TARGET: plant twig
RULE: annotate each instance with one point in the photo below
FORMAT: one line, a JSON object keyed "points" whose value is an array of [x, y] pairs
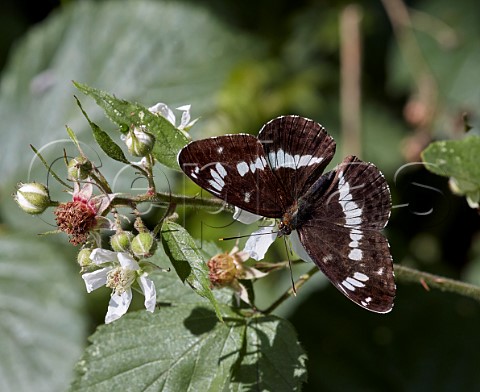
{"points": [[168, 198], [430, 281], [291, 292], [402, 274]]}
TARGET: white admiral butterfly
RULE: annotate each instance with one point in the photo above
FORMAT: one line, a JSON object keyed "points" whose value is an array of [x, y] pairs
{"points": [[338, 216]]}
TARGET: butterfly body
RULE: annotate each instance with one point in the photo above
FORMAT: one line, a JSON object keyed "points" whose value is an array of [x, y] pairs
{"points": [[336, 216]]}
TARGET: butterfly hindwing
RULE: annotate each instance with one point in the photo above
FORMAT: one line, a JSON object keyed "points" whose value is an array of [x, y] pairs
{"points": [[357, 262], [356, 195], [298, 150], [234, 168]]}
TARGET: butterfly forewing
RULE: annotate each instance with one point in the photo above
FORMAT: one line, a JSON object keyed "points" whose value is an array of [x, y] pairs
{"points": [[234, 168], [298, 150]]}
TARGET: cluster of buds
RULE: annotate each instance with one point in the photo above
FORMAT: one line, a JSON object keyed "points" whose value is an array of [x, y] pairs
{"points": [[141, 246]]}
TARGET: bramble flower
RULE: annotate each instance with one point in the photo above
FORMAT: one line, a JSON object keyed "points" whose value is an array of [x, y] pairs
{"points": [[81, 216], [164, 111], [120, 270], [226, 269], [33, 198], [261, 239]]}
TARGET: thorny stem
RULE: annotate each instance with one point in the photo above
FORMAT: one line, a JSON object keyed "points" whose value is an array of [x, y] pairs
{"points": [[407, 274], [290, 292], [168, 198], [402, 274]]}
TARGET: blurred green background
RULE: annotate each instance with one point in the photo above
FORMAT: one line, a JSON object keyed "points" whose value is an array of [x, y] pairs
{"points": [[240, 64]]}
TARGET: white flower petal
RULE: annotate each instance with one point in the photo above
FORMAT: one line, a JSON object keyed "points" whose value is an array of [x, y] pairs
{"points": [[259, 242], [100, 256], [164, 111], [118, 306], [94, 280], [83, 193], [298, 247], [184, 108], [252, 273], [148, 288], [185, 116], [127, 261], [242, 292], [245, 216]]}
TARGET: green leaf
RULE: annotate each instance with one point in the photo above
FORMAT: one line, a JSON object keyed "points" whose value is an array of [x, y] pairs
{"points": [[105, 142], [178, 348], [188, 261], [41, 329], [457, 159], [273, 359], [185, 348], [175, 52], [168, 139]]}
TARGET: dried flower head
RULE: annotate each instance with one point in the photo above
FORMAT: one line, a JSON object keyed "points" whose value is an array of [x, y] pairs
{"points": [[227, 268], [79, 217]]}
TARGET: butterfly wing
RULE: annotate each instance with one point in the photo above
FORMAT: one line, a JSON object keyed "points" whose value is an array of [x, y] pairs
{"points": [[234, 168], [363, 272], [342, 233], [298, 150]]}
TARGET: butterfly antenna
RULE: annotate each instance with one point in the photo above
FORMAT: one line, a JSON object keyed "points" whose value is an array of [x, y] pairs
{"points": [[243, 236], [290, 265]]}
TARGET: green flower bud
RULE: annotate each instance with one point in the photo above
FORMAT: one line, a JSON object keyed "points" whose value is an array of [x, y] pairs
{"points": [[139, 142], [83, 257], [120, 242], [79, 168], [33, 198], [144, 245]]}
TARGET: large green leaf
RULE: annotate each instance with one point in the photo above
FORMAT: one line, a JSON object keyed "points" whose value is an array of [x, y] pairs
{"points": [[273, 359], [188, 260], [102, 138], [457, 159], [41, 328], [184, 347], [178, 348], [144, 51]]}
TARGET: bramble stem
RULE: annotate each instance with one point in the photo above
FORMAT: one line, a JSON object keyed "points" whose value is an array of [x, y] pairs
{"points": [[290, 292], [407, 274], [167, 198], [402, 274]]}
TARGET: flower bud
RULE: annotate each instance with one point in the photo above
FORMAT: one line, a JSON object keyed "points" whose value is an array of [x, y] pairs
{"points": [[33, 198], [120, 242], [83, 257], [144, 245], [139, 142], [79, 168]]}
